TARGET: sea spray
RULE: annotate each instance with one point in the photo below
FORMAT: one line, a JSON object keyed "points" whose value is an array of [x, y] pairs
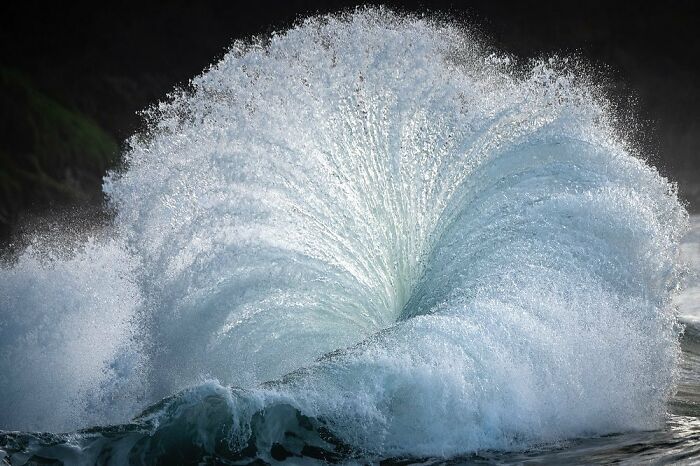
{"points": [[391, 242], [66, 334]]}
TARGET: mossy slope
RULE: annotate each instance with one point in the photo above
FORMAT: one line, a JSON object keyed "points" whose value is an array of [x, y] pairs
{"points": [[47, 150]]}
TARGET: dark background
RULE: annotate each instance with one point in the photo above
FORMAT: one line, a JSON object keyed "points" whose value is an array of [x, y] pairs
{"points": [[73, 77]]}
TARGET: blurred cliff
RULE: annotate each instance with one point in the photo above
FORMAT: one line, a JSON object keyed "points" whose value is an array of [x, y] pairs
{"points": [[73, 77]]}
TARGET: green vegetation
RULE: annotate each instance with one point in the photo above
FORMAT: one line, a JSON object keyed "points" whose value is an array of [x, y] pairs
{"points": [[48, 151]]}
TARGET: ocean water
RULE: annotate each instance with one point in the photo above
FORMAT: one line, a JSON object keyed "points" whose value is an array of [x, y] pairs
{"points": [[365, 239]]}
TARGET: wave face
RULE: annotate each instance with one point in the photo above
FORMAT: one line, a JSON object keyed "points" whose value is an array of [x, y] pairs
{"points": [[388, 239]]}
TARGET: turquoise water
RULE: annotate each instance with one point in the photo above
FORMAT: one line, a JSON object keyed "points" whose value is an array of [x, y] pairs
{"points": [[368, 238]]}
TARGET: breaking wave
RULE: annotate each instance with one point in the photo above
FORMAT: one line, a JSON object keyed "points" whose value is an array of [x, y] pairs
{"points": [[367, 235]]}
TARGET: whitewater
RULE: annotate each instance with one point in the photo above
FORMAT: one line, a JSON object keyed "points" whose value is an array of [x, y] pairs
{"points": [[369, 236]]}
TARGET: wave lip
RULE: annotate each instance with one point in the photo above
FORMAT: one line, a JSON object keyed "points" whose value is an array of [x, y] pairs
{"points": [[426, 250]]}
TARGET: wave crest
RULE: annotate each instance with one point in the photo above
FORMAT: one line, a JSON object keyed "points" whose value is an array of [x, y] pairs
{"points": [[430, 251]]}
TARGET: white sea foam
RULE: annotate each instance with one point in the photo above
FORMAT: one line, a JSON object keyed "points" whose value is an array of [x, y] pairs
{"points": [[475, 238], [66, 335], [688, 301]]}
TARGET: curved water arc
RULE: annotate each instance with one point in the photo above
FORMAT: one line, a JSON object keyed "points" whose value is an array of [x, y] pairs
{"points": [[492, 260]]}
